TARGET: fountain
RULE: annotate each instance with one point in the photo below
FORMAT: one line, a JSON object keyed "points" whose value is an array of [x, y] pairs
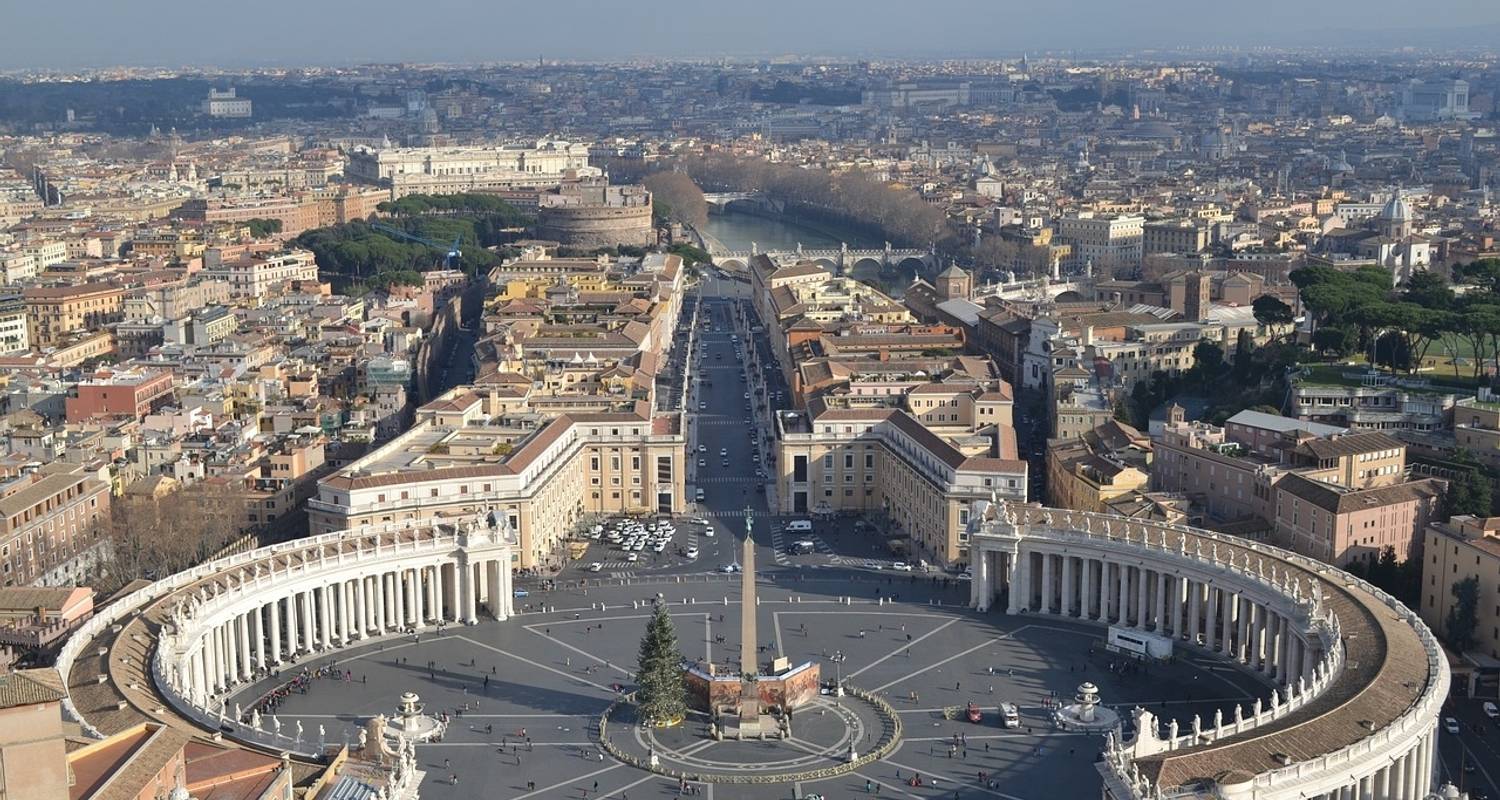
{"points": [[1085, 713], [410, 723]]}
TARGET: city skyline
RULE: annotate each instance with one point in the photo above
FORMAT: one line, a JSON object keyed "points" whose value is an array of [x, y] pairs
{"points": [[132, 36]]}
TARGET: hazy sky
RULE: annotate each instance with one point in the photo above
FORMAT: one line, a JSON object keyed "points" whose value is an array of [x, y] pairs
{"points": [[71, 33]]}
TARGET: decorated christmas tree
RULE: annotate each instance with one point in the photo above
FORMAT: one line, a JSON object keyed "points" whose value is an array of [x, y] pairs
{"points": [[662, 695]]}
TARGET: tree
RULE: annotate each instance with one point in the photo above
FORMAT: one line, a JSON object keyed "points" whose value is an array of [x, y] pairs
{"points": [[1208, 360], [1338, 340], [1271, 312], [1463, 617], [260, 228], [1469, 492], [677, 198], [661, 695]]}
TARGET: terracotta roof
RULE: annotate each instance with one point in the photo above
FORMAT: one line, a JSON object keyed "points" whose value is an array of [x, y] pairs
{"points": [[1348, 445], [28, 687], [1340, 500]]}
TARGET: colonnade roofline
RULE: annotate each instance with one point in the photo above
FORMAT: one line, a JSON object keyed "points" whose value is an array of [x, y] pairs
{"points": [[1364, 686], [160, 673]]}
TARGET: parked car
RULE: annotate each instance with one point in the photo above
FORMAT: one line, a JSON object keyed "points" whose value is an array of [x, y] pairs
{"points": [[595, 567], [1450, 725], [1490, 710]]}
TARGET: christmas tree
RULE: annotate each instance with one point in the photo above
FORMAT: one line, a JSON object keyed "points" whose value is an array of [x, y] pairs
{"points": [[661, 695]]}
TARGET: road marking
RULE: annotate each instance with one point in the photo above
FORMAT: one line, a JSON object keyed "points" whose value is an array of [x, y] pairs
{"points": [[956, 783], [899, 648], [953, 657], [544, 790], [601, 687]]}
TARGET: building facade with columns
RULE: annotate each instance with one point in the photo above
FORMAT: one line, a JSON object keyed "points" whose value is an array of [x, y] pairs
{"points": [[1354, 680], [232, 621]]}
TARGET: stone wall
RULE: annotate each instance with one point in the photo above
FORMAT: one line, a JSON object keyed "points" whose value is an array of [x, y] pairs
{"points": [[591, 227]]}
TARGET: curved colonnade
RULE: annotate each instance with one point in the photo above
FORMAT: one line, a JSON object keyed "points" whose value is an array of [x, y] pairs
{"points": [[235, 620], [1355, 679]]}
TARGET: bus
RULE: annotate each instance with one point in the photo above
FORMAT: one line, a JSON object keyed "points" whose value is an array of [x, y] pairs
{"points": [[1138, 644]]}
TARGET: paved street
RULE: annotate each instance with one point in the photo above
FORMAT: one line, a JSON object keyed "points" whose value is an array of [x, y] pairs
{"points": [[530, 690]]}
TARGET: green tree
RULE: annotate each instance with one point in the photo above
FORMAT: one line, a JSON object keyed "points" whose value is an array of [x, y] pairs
{"points": [[661, 695], [1463, 617], [1271, 312], [1470, 491], [260, 228], [1209, 360]]}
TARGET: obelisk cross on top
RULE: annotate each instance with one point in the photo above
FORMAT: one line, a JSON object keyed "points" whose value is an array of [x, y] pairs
{"points": [[748, 639]]}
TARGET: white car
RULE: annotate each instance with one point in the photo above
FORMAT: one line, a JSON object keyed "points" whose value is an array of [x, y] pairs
{"points": [[595, 567], [966, 576], [660, 546], [1490, 710], [901, 566], [729, 568], [692, 552], [702, 462], [747, 395], [709, 532], [698, 521], [633, 557], [723, 452], [703, 448], [1450, 725]]}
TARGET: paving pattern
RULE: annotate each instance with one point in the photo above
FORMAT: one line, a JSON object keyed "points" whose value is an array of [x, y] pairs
{"points": [[526, 693]]}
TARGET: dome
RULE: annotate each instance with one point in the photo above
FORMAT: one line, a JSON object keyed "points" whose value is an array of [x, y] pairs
{"points": [[179, 794], [1396, 210]]}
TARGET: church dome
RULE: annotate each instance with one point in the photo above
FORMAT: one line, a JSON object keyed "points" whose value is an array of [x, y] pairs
{"points": [[1396, 210]]}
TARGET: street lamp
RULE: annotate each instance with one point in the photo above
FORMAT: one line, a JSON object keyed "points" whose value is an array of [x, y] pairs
{"points": [[838, 670]]}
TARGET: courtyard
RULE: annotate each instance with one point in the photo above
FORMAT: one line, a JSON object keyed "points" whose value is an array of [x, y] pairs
{"points": [[525, 695]]}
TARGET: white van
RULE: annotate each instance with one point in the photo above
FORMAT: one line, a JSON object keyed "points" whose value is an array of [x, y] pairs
{"points": [[799, 526], [698, 495], [1010, 717]]}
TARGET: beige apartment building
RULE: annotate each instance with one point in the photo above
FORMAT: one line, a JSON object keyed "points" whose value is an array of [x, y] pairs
{"points": [[50, 523], [1463, 547], [884, 461], [53, 313], [1339, 525], [1107, 243], [467, 454]]}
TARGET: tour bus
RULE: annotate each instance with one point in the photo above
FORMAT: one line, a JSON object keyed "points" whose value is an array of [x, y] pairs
{"points": [[1139, 644]]}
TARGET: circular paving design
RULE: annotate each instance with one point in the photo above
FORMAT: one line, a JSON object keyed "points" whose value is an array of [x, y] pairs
{"points": [[823, 731]]}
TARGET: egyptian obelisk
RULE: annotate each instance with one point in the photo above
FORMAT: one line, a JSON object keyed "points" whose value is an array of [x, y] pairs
{"points": [[748, 640]]}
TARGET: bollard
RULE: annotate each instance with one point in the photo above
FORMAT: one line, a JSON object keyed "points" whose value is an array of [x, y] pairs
{"points": [[726, 601]]}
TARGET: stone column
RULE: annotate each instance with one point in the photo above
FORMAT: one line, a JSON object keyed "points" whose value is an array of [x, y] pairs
{"points": [[419, 599], [1161, 603], [1085, 588], [1142, 598], [1046, 605], [438, 603], [1400, 779], [273, 612], [1382, 787], [465, 586], [1066, 607], [245, 669], [1124, 609], [216, 661], [1179, 605], [1226, 630], [258, 633], [1210, 618], [494, 581], [291, 625], [1195, 606], [322, 596], [358, 609]]}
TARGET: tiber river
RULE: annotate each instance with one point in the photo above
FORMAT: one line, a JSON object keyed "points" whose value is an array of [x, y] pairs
{"points": [[736, 230]]}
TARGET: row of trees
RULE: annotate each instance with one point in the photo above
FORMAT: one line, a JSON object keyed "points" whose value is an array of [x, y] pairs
{"points": [[1360, 309], [361, 257], [854, 198], [675, 197], [153, 537]]}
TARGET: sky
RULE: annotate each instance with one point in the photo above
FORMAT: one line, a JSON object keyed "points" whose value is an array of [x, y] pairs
{"points": [[65, 34]]}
